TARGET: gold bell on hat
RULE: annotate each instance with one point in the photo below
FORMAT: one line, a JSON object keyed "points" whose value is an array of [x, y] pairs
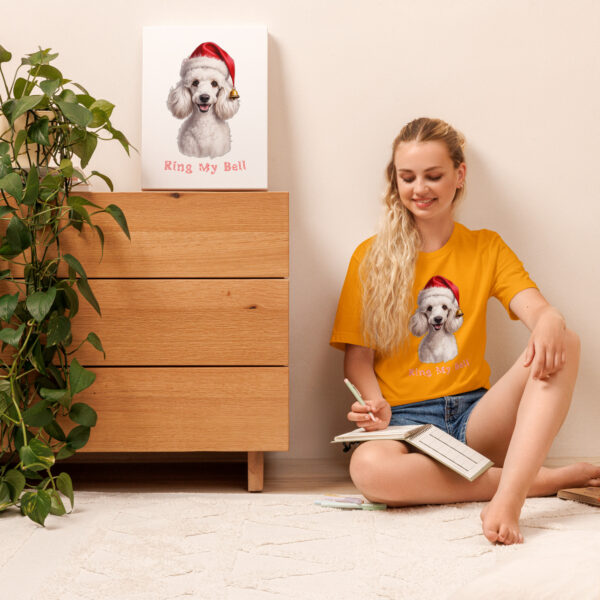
{"points": [[233, 95]]}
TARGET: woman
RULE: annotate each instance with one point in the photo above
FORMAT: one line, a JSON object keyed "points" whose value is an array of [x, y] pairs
{"points": [[411, 319]]}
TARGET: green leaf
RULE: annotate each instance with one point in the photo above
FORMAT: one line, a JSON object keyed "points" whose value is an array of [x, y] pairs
{"points": [[36, 505], [36, 455], [22, 105], [36, 357], [12, 336], [5, 210], [65, 452], [94, 340], [5, 499], [4, 147], [117, 214], [38, 132], [98, 118], [104, 105], [72, 299], [118, 135], [66, 167], [105, 179], [32, 188], [78, 437], [56, 504], [5, 55], [39, 415], [83, 414], [13, 185], [56, 431], [5, 402], [75, 265], [49, 86], [86, 291], [59, 328], [47, 72], [18, 235], [65, 485], [85, 99], [19, 139], [22, 87], [55, 395], [75, 113], [85, 148], [8, 304], [16, 483], [80, 378], [101, 238], [42, 57], [68, 96], [40, 303]]}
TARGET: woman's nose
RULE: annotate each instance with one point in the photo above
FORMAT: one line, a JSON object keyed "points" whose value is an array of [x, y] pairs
{"points": [[421, 187]]}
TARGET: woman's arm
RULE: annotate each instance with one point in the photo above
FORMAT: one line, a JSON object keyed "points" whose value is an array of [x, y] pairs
{"points": [[358, 368], [546, 350]]}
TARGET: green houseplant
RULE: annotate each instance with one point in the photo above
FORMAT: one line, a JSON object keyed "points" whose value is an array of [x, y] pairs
{"points": [[46, 123]]}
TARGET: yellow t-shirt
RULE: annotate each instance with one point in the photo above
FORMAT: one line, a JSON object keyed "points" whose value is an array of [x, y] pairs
{"points": [[444, 354]]}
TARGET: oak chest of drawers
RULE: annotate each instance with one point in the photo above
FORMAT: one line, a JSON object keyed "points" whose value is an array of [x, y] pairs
{"points": [[194, 324]]}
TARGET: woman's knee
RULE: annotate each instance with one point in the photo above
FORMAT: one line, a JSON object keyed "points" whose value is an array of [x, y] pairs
{"points": [[371, 459]]}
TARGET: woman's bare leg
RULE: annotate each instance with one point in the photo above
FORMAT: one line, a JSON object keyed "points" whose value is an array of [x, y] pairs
{"points": [[385, 471], [541, 408], [514, 424]]}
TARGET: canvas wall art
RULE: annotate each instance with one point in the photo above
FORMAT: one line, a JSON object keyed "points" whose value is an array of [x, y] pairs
{"points": [[204, 108]]}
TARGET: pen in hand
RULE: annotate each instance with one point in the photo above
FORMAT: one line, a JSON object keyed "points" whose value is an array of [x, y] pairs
{"points": [[357, 395]]}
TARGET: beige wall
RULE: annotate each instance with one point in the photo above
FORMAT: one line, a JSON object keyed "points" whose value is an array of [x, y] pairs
{"points": [[520, 78]]}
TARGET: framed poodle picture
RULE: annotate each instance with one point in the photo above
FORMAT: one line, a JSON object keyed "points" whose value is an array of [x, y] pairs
{"points": [[204, 108]]}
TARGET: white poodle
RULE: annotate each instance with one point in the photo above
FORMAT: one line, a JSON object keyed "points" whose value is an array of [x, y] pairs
{"points": [[207, 98], [438, 315]]}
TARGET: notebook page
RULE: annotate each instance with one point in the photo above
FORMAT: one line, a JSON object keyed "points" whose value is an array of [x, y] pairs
{"points": [[448, 450], [395, 432]]}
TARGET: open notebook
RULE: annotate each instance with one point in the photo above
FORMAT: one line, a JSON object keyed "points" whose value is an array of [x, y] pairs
{"points": [[430, 440]]}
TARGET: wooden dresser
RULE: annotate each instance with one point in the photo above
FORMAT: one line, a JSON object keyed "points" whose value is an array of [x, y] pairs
{"points": [[194, 324]]}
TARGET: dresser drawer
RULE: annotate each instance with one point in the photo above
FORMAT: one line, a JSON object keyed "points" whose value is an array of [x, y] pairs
{"points": [[159, 322], [188, 409]]}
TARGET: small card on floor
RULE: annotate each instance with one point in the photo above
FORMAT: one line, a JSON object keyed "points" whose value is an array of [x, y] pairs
{"points": [[349, 502], [589, 495]]}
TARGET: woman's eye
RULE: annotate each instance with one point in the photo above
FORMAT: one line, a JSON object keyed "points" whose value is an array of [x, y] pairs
{"points": [[195, 83], [407, 180], [436, 178], [214, 84]]}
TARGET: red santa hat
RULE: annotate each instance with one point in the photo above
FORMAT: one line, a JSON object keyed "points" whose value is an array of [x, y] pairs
{"points": [[209, 55], [439, 286]]}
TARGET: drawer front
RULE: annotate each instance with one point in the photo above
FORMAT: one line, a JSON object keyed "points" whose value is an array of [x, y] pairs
{"points": [[188, 409], [187, 322], [188, 235]]}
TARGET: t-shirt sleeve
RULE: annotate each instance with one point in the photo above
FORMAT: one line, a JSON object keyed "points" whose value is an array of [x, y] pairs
{"points": [[347, 324], [510, 276]]}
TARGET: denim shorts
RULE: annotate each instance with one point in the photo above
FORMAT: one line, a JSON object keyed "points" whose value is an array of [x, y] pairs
{"points": [[449, 413]]}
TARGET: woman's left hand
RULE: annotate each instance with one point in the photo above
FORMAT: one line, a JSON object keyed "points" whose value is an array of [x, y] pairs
{"points": [[546, 350]]}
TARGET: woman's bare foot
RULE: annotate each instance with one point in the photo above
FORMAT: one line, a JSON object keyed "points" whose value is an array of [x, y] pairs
{"points": [[500, 518]]}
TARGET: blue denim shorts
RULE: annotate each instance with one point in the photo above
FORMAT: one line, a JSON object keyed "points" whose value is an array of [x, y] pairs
{"points": [[449, 413]]}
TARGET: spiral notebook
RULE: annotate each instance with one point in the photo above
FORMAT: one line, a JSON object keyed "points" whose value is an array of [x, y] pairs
{"points": [[430, 440]]}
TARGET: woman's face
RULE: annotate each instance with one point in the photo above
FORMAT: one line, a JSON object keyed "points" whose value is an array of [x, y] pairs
{"points": [[427, 179]]}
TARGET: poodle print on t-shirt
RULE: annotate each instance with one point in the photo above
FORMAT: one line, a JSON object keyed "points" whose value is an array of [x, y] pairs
{"points": [[437, 317]]}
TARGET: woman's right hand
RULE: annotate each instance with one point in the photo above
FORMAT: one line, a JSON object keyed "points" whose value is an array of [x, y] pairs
{"points": [[381, 411]]}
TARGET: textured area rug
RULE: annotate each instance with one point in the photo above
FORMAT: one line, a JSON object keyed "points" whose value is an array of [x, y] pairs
{"points": [[155, 546]]}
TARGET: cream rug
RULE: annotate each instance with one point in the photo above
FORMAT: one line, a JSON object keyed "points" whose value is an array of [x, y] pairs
{"points": [[124, 546]]}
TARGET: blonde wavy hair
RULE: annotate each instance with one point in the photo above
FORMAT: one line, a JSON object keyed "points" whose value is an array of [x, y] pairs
{"points": [[387, 271]]}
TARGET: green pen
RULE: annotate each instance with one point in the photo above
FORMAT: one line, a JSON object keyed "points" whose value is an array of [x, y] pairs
{"points": [[357, 395]]}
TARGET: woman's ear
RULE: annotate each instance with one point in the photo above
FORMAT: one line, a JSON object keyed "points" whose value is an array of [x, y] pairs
{"points": [[180, 101], [226, 107], [418, 324]]}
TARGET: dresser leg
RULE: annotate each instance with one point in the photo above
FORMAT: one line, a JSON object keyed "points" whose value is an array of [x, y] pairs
{"points": [[255, 471]]}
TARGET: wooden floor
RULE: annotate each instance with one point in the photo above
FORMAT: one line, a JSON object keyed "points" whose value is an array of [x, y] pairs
{"points": [[127, 475]]}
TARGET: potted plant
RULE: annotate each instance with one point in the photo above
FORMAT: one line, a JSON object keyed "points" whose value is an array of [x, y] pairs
{"points": [[47, 122]]}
